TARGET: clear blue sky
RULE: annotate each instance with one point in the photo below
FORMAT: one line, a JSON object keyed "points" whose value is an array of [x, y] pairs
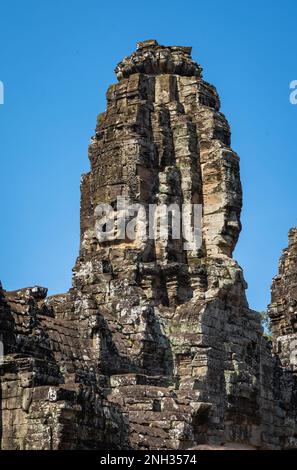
{"points": [[56, 61]]}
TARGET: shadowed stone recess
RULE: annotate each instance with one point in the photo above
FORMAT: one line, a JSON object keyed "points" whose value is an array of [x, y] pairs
{"points": [[153, 347]]}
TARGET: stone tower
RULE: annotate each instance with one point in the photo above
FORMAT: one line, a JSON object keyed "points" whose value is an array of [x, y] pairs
{"points": [[154, 346], [283, 307]]}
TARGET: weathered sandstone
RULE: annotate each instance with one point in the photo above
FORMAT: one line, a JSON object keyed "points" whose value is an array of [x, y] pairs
{"points": [[153, 347]]}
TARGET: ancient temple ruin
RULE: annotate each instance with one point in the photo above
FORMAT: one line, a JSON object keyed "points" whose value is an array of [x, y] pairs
{"points": [[153, 347]]}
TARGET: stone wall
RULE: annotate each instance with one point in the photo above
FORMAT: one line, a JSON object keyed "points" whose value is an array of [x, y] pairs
{"points": [[283, 307]]}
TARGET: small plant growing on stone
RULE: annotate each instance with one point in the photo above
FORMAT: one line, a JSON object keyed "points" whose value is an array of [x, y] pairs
{"points": [[265, 320]]}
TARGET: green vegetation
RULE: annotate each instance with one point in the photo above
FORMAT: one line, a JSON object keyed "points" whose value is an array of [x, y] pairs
{"points": [[265, 320]]}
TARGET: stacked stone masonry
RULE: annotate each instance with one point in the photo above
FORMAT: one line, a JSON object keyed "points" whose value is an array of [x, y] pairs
{"points": [[153, 347]]}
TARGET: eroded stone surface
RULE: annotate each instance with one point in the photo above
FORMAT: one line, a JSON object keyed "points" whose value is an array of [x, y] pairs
{"points": [[153, 346], [283, 307]]}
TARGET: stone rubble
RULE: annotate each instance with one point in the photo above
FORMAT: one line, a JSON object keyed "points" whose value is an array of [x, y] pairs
{"points": [[153, 347]]}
